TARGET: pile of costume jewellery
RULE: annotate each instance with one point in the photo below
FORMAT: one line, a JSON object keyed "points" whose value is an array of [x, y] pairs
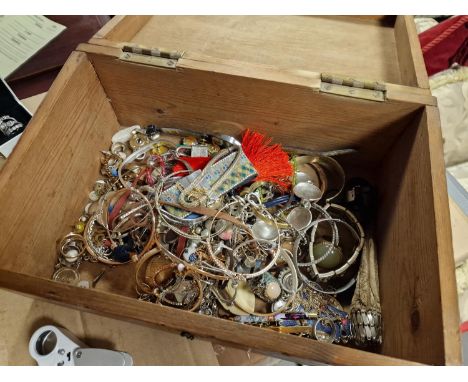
{"points": [[238, 230]]}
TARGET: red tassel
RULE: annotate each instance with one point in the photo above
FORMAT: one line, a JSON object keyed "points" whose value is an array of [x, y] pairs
{"points": [[270, 161]]}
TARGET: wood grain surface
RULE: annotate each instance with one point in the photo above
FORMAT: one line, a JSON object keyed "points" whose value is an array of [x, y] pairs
{"points": [[446, 261], [296, 115], [415, 252], [122, 28], [340, 46], [45, 175], [410, 58], [265, 341]]}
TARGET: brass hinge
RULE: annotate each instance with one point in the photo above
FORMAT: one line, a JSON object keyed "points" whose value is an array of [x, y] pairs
{"points": [[150, 56], [350, 87]]}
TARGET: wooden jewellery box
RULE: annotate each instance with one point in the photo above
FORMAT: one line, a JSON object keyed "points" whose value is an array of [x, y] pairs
{"points": [[318, 83]]}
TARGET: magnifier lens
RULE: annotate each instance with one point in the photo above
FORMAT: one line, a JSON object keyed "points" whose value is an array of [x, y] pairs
{"points": [[46, 342]]}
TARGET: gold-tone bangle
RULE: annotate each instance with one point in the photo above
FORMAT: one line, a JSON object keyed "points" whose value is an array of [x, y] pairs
{"points": [[145, 288]]}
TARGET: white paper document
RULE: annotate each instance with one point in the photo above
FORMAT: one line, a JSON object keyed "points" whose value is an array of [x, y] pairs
{"points": [[23, 36]]}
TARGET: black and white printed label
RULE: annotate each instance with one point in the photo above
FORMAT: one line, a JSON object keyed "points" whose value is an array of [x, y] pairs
{"points": [[13, 119]]}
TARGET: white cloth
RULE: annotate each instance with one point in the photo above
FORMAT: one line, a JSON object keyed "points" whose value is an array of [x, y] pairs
{"points": [[451, 89], [424, 23]]}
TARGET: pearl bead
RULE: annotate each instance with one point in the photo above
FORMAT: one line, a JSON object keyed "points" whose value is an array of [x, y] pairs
{"points": [[277, 305], [272, 290], [71, 255], [205, 233], [180, 267]]}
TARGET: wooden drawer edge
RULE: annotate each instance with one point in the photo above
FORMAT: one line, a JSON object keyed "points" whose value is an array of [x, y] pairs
{"points": [[448, 290], [410, 58], [261, 340]]}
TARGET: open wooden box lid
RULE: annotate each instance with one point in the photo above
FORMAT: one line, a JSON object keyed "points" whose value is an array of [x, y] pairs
{"points": [[378, 52]]}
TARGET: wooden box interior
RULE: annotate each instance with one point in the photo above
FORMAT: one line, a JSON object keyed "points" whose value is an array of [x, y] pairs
{"points": [[44, 187]]}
